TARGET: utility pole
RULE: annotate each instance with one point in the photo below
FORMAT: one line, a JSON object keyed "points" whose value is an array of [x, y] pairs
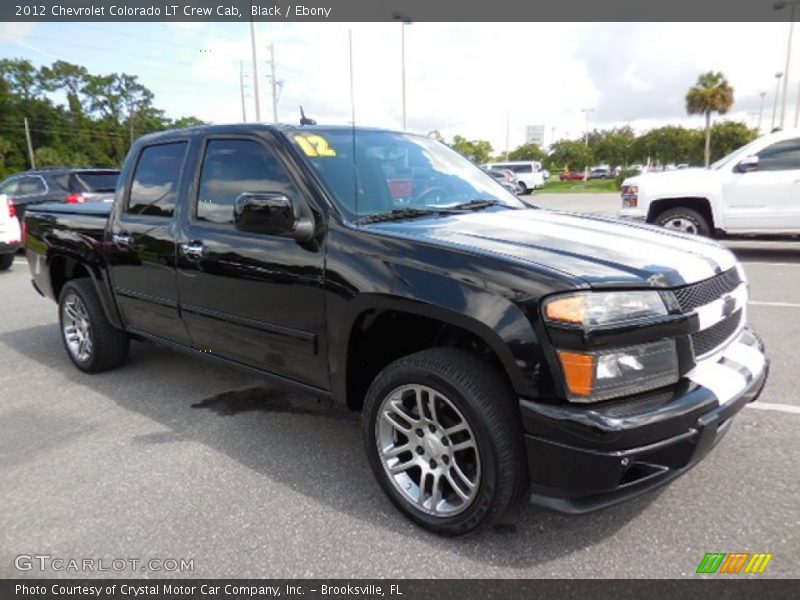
{"points": [[274, 82], [255, 70], [30, 145], [778, 76], [780, 6], [130, 120], [241, 90]]}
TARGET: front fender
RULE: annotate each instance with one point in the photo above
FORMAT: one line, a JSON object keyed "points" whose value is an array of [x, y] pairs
{"points": [[497, 321]]}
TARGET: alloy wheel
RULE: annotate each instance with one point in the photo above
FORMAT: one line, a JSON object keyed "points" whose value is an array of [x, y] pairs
{"points": [[77, 328], [428, 450]]}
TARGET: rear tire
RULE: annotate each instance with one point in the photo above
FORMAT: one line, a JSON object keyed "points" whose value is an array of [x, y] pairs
{"points": [[522, 189], [6, 260], [456, 467], [92, 343], [684, 219]]}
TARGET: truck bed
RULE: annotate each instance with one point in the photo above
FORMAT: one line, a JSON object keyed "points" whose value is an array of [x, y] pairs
{"points": [[72, 233]]}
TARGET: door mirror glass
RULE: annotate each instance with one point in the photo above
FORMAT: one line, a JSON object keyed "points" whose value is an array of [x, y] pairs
{"points": [[747, 164], [270, 213]]}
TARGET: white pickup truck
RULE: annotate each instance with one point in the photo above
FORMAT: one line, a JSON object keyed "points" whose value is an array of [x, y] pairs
{"points": [[754, 190]]}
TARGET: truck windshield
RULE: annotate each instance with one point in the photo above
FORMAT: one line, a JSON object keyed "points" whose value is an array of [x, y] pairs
{"points": [[378, 172]]}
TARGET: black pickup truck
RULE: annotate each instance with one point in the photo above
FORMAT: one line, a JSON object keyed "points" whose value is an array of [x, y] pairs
{"points": [[495, 350]]}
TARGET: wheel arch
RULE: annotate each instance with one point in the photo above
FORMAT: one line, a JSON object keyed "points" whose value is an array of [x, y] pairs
{"points": [[65, 267], [701, 204], [363, 349]]}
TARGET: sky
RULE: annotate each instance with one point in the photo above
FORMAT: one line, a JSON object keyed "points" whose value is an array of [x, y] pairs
{"points": [[471, 79]]}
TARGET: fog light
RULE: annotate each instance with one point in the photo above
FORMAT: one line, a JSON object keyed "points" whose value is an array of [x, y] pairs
{"points": [[595, 376]]}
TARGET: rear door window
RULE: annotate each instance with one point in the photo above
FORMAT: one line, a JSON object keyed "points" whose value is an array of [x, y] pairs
{"points": [[31, 185], [155, 181], [9, 186]]}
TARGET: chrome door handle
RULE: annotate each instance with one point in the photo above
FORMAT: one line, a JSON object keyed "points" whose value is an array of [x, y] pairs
{"points": [[193, 249], [122, 240]]}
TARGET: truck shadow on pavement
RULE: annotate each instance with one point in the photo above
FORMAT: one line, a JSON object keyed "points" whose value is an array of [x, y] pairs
{"points": [[295, 440]]}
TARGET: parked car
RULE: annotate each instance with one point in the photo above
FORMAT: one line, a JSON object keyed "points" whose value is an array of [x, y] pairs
{"points": [[10, 234], [752, 191], [600, 173], [527, 172], [59, 184], [505, 178], [571, 176], [494, 351]]}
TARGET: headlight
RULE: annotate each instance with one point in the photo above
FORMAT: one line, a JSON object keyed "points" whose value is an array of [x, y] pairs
{"points": [[595, 376], [604, 308]]}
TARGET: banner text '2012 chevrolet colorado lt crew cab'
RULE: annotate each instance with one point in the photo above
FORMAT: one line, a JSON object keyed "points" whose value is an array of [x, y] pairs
{"points": [[494, 350]]}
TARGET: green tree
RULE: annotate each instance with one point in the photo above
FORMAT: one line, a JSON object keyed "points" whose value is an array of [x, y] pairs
{"points": [[478, 151], [570, 155], [436, 134], [613, 146], [728, 136], [711, 93], [527, 152]]}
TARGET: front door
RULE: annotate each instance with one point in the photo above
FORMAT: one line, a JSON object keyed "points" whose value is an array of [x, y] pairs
{"points": [[256, 299], [767, 198]]}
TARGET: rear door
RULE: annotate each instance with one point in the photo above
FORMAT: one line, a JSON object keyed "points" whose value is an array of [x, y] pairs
{"points": [[768, 198], [256, 299], [141, 245]]}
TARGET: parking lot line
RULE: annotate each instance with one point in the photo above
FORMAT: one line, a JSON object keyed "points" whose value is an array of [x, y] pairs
{"points": [[785, 408], [783, 304]]}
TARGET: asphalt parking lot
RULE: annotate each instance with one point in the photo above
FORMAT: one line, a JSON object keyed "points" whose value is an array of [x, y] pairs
{"points": [[168, 457]]}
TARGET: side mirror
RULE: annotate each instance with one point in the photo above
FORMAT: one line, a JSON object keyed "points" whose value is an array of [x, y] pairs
{"points": [[747, 164], [270, 213]]}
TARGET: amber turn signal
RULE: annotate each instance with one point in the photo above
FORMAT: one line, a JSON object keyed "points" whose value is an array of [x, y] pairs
{"points": [[578, 371]]}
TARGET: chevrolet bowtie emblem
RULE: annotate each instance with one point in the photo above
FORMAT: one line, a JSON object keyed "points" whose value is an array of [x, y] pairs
{"points": [[728, 305]]}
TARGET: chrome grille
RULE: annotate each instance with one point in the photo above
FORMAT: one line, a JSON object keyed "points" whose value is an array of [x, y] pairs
{"points": [[697, 294], [709, 339]]}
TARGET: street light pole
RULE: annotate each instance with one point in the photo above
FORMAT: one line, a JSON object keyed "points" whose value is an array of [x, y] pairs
{"points": [[778, 76], [404, 20], [761, 109], [403, 67], [781, 6]]}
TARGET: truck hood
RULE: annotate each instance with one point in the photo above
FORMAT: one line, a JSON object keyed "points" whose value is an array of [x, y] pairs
{"points": [[691, 177], [603, 252]]}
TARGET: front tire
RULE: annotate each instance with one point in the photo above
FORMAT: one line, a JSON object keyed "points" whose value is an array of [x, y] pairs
{"points": [[444, 440], [685, 220], [91, 342], [6, 260]]}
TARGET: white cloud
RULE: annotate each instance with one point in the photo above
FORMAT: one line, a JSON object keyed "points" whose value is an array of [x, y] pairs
{"points": [[464, 78]]}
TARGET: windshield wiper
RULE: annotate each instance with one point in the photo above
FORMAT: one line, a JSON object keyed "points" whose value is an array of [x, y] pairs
{"points": [[397, 214], [476, 204]]}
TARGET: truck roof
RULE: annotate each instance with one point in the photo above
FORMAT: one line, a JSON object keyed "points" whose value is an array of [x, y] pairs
{"points": [[281, 127]]}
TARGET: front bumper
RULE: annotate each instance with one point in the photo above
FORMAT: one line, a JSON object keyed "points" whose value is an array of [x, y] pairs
{"points": [[585, 458], [9, 247], [632, 214]]}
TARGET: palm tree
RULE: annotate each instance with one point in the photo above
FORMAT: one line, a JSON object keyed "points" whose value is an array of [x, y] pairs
{"points": [[711, 93]]}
